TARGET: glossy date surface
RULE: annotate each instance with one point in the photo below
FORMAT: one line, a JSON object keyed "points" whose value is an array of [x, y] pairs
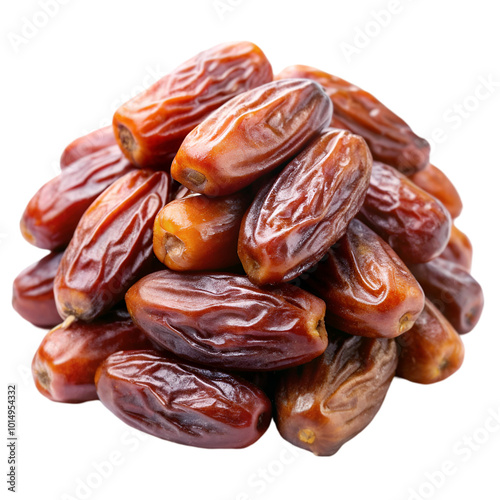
{"points": [[295, 219], [181, 402], [225, 321], [458, 249], [251, 135]]}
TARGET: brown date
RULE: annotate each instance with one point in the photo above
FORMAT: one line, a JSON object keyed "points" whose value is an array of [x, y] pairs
{"points": [[323, 404], [197, 233], [367, 289], [151, 126], [251, 135], [52, 215], [180, 402], [436, 183], [295, 219], [414, 223], [458, 249], [390, 139], [431, 351], [65, 364], [87, 145], [112, 245], [33, 292], [225, 321], [452, 290]]}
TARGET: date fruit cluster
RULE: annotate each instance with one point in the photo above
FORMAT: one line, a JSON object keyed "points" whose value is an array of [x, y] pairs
{"points": [[241, 246]]}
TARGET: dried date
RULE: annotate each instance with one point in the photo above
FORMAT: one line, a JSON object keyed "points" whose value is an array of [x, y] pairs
{"points": [[458, 249], [250, 136], [295, 219]]}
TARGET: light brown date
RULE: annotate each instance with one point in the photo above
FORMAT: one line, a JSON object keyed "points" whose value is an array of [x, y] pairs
{"points": [[251, 135], [452, 290], [112, 245], [436, 183], [367, 289], [323, 404], [458, 249], [151, 126], [390, 139], [196, 233], [295, 219], [225, 321], [187, 404], [414, 223], [33, 292], [52, 215], [431, 351], [65, 364]]}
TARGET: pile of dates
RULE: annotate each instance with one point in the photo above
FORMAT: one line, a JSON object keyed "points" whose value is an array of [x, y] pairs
{"points": [[240, 246]]}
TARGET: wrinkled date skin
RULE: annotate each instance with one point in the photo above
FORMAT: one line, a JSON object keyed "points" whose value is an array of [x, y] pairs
{"points": [[196, 233], [112, 245], [65, 364], [151, 126], [458, 249], [431, 351], [367, 289], [436, 183], [414, 223], [225, 321], [251, 135], [390, 139], [33, 292], [52, 215], [295, 219], [183, 403], [323, 404], [87, 145], [453, 291]]}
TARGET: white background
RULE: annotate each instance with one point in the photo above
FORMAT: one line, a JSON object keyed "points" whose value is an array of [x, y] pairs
{"points": [[426, 63]]}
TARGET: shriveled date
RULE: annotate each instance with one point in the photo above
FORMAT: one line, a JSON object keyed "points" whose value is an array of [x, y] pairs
{"points": [[151, 126], [251, 135], [52, 215], [323, 404], [224, 320], [391, 140], [306, 209], [33, 292], [431, 351], [414, 223], [453, 291], [367, 289], [112, 245], [65, 364], [458, 249], [183, 403]]}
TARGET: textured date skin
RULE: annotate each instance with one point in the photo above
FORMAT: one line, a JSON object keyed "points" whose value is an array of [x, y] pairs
{"points": [[436, 183], [453, 291], [97, 140], [225, 321], [181, 402], [431, 351], [458, 249], [151, 126], [367, 289], [414, 223], [390, 139], [65, 364], [52, 215], [295, 219], [112, 245], [196, 233], [33, 292], [323, 404], [250, 136]]}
